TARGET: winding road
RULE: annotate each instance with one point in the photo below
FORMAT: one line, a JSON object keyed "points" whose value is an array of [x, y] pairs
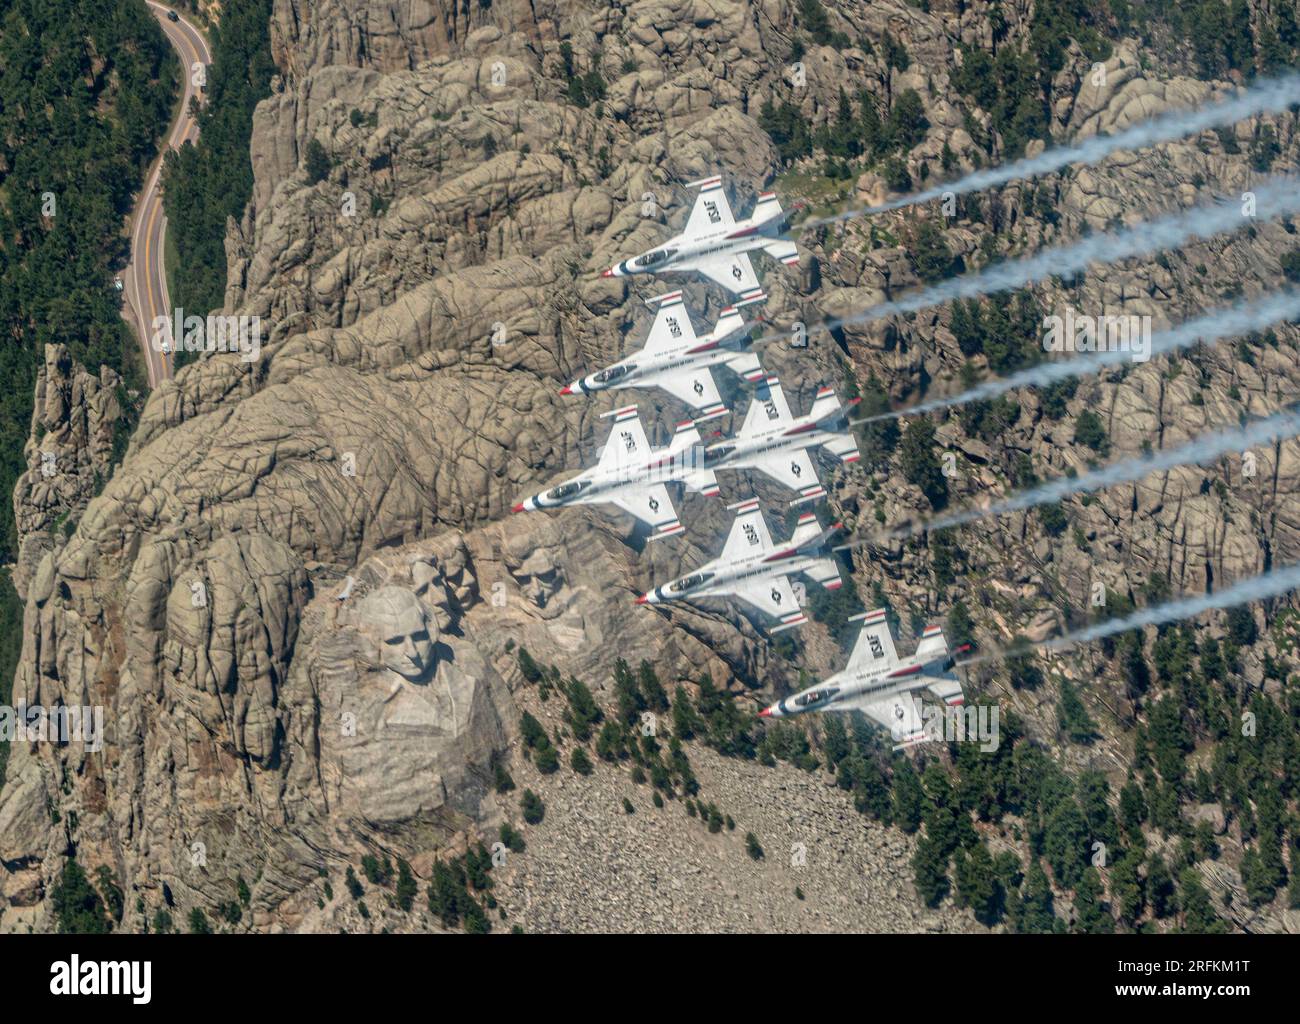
{"points": [[144, 282]]}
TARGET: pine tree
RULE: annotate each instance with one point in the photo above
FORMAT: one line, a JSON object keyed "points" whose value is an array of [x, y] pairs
{"points": [[1066, 843], [961, 627], [406, 887], [908, 797], [1199, 917], [919, 462], [685, 720], [317, 163], [583, 712], [656, 697], [533, 808], [977, 884], [1072, 716], [1037, 913], [1093, 916], [580, 762], [78, 908], [930, 870], [1160, 887]]}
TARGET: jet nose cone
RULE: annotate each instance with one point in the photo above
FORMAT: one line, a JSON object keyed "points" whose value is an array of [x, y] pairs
{"points": [[765, 713], [567, 389], [608, 273], [519, 507], [643, 599]]}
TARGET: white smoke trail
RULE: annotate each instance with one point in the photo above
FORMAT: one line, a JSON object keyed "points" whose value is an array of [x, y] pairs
{"points": [[1257, 588], [1277, 197], [1269, 97], [1205, 448], [1243, 318]]}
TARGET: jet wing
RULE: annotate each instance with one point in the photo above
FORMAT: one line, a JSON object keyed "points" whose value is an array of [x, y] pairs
{"points": [[627, 442], [652, 506], [711, 211], [898, 713], [775, 597], [731, 270], [767, 409], [794, 469], [875, 644], [694, 387], [749, 534], [672, 327]]}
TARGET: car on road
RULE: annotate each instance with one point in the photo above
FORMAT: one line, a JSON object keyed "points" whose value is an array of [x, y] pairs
{"points": [[173, 16]]}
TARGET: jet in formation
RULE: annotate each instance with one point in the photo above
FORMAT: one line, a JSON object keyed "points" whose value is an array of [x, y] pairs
{"points": [[716, 245], [757, 571], [629, 474], [776, 443], [632, 476], [678, 361], [880, 684]]}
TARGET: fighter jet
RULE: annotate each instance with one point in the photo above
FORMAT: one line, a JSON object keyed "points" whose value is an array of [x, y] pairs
{"points": [[776, 443], [881, 686], [757, 571], [629, 474], [715, 243], [677, 361]]}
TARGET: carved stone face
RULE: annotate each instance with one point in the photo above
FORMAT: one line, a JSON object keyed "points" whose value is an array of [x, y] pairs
{"points": [[402, 629], [535, 569]]}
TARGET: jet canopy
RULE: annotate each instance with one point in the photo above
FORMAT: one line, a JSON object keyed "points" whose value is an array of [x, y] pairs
{"points": [[714, 455], [653, 259], [815, 696], [565, 490], [613, 373], [688, 582]]}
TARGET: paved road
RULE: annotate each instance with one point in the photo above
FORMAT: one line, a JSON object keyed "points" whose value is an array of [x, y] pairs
{"points": [[144, 282]]}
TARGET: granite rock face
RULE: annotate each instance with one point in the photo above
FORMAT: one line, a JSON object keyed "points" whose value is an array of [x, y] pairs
{"points": [[75, 422]]}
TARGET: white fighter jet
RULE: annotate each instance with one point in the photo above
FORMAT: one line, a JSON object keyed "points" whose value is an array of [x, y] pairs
{"points": [[678, 361], [757, 571], [880, 685], [629, 474], [778, 444], [715, 244]]}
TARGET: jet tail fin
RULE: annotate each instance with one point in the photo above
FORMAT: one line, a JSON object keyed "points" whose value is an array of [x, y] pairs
{"points": [[731, 319], [808, 534], [686, 452], [933, 645], [768, 214], [685, 437], [826, 408]]}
